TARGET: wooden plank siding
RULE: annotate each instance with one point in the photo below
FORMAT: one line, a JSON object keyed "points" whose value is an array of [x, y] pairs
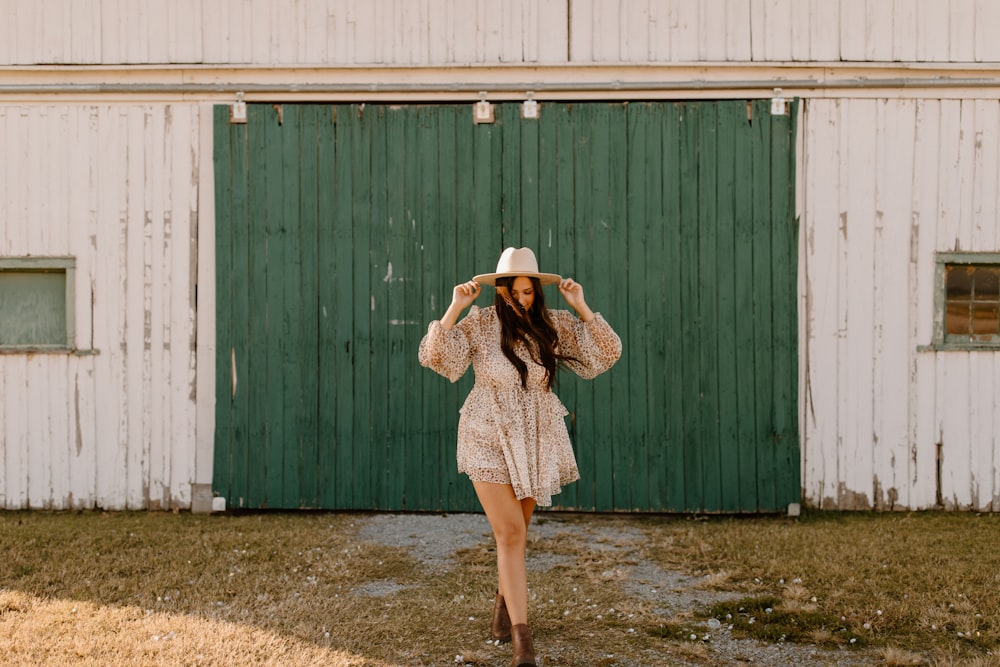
{"points": [[449, 32], [110, 423], [888, 184], [581, 184]]}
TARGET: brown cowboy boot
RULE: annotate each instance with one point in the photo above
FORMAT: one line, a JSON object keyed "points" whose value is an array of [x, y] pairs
{"points": [[501, 620], [524, 648]]}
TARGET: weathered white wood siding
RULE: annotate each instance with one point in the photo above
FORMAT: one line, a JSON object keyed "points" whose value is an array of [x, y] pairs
{"points": [[442, 32], [114, 186], [887, 184]]}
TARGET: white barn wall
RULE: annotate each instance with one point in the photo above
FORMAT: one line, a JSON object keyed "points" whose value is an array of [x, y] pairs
{"points": [[115, 187], [448, 32], [888, 184]]}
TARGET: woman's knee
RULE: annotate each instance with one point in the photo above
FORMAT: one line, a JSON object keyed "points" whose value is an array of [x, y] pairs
{"points": [[511, 534]]}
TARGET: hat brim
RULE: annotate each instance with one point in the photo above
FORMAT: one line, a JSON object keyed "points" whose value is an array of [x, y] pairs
{"points": [[543, 278]]}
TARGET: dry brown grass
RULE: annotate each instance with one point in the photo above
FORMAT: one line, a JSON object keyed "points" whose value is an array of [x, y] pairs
{"points": [[920, 585], [117, 589], [303, 589]]}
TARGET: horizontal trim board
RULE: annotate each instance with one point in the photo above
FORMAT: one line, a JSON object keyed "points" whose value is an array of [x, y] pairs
{"points": [[500, 83], [36, 263], [971, 257]]}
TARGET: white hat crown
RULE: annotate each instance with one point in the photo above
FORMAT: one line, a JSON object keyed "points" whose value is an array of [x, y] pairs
{"points": [[517, 262]]}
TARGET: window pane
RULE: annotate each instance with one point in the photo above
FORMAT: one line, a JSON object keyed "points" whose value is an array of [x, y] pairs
{"points": [[957, 319], [959, 282], [32, 308], [985, 319], [987, 282]]}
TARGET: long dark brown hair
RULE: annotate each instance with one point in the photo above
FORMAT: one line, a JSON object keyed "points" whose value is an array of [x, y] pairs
{"points": [[534, 328]]}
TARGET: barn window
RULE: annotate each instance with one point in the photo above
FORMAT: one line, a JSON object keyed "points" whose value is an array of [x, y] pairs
{"points": [[970, 288], [36, 303]]}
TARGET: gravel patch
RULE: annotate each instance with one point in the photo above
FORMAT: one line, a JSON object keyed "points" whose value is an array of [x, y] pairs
{"points": [[431, 538], [601, 538], [672, 591], [543, 562], [435, 539], [378, 589]]}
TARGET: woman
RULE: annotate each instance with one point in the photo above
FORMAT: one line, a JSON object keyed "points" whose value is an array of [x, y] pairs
{"points": [[512, 438]]}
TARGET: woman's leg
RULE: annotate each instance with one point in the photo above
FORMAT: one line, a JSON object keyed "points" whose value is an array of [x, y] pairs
{"points": [[527, 509], [509, 518]]}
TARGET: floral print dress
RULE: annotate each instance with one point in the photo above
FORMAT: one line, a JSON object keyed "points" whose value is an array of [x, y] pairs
{"points": [[508, 434]]}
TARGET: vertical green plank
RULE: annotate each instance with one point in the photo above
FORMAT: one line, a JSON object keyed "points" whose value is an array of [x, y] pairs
{"points": [[594, 476], [747, 440], [402, 175], [609, 284], [384, 128], [366, 334], [596, 282], [692, 325], [510, 159], [272, 344], [528, 130], [255, 370], [441, 232], [560, 125], [784, 245], [708, 277], [650, 300], [349, 288], [763, 307], [404, 127], [251, 307], [730, 116], [488, 222], [334, 314], [289, 286], [546, 155], [673, 321], [228, 142], [437, 210], [633, 370], [793, 442], [308, 356]]}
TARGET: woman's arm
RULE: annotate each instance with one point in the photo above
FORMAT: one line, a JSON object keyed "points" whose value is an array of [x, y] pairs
{"points": [[462, 296], [445, 349], [590, 341], [572, 292]]}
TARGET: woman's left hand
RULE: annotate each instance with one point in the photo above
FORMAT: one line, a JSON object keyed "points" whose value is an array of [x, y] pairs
{"points": [[572, 291]]}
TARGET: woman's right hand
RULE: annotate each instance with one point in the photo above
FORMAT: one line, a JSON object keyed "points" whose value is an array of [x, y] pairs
{"points": [[465, 294]]}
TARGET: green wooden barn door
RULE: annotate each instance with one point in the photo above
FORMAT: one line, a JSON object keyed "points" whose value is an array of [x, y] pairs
{"points": [[341, 230], [338, 230], [678, 218]]}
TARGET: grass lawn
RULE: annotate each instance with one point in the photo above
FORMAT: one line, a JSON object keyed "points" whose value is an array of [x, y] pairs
{"points": [[155, 588]]}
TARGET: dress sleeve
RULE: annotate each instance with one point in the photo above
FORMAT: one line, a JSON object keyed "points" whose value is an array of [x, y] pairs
{"points": [[594, 345], [449, 353]]}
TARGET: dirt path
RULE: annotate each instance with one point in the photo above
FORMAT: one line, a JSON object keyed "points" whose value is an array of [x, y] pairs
{"points": [[435, 539]]}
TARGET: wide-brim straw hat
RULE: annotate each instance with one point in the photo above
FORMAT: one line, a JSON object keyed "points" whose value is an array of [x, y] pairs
{"points": [[516, 262]]}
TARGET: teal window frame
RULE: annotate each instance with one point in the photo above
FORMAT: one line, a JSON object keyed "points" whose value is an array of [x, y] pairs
{"points": [[942, 339], [64, 265]]}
